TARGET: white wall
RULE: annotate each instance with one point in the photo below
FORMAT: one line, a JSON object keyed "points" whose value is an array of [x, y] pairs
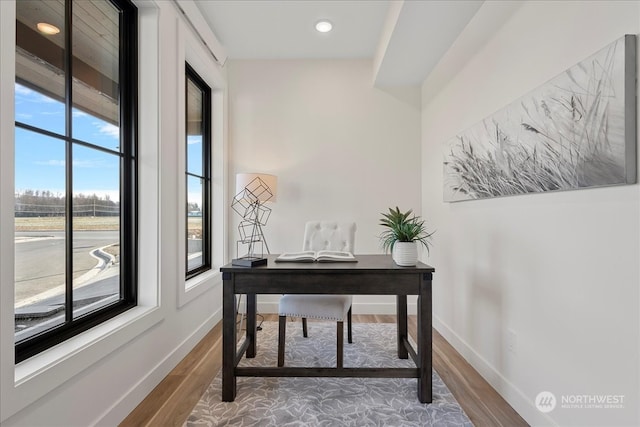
{"points": [[100, 376], [341, 149], [559, 270]]}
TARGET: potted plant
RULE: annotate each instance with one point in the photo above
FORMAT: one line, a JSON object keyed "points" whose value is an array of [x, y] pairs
{"points": [[402, 234]]}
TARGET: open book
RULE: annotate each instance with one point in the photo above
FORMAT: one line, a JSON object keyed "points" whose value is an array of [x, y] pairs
{"points": [[319, 256]]}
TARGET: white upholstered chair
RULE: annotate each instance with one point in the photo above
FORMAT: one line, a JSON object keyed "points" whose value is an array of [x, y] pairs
{"points": [[320, 235]]}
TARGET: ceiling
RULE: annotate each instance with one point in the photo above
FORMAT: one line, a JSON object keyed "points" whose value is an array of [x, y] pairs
{"points": [[271, 29], [405, 39]]}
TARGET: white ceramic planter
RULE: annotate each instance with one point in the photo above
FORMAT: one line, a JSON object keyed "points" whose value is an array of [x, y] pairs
{"points": [[405, 253]]}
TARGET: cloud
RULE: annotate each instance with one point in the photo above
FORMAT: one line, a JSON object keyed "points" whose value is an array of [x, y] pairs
{"points": [[94, 164], [47, 100], [22, 90], [78, 113], [51, 162], [24, 116], [193, 197], [194, 139], [33, 96], [108, 129]]}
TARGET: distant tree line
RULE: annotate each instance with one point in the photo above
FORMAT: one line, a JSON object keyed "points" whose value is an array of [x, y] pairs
{"points": [[37, 203], [193, 209]]}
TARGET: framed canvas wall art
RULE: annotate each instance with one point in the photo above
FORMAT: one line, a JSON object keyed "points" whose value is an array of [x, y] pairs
{"points": [[576, 131]]}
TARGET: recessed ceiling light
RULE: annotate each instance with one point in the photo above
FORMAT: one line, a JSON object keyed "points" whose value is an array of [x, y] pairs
{"points": [[324, 26], [46, 28]]}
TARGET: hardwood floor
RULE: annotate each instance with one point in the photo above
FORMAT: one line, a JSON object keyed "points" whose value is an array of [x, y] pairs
{"points": [[170, 403]]}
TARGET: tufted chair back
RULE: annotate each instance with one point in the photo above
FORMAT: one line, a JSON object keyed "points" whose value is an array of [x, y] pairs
{"points": [[329, 235]]}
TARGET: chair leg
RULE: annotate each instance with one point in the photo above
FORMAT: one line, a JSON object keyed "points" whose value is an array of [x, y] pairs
{"points": [[349, 326], [304, 327], [340, 346], [282, 328]]}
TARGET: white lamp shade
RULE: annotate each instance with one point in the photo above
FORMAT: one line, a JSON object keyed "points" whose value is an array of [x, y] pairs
{"points": [[244, 179]]}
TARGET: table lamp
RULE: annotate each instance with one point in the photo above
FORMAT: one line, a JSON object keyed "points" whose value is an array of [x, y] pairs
{"points": [[252, 191]]}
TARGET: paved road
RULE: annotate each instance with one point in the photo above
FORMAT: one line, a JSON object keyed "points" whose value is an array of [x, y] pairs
{"points": [[106, 284], [40, 276], [40, 258]]}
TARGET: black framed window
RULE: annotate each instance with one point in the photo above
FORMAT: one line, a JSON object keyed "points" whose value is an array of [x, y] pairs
{"points": [[75, 168], [198, 173]]}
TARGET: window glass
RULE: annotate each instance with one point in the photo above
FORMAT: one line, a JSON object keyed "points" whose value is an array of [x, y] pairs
{"points": [[35, 108], [40, 236], [74, 167], [198, 181], [96, 229], [194, 128], [195, 225], [96, 73], [40, 69]]}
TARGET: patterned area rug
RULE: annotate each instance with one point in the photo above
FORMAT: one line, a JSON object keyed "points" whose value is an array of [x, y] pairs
{"points": [[328, 401]]}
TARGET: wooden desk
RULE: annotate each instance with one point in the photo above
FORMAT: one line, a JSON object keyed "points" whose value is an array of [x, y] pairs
{"points": [[371, 275]]}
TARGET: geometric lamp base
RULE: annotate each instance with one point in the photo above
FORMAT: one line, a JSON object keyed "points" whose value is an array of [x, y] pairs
{"points": [[248, 261]]}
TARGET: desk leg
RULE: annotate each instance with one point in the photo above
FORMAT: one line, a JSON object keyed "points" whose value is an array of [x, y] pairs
{"points": [[229, 338], [401, 315], [424, 340], [251, 325]]}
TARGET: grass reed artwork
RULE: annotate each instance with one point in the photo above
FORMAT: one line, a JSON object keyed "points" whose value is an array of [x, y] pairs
{"points": [[575, 131]]}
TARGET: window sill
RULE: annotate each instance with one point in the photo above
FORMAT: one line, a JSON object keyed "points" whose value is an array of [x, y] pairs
{"points": [[44, 372], [198, 285]]}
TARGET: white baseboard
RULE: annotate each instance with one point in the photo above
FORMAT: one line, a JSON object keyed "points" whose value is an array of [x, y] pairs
{"points": [[509, 392], [120, 409]]}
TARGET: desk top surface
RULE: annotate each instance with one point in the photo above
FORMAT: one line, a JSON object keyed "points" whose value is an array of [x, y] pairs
{"points": [[366, 263]]}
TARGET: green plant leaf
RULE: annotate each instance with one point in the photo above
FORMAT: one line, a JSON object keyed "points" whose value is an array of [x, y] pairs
{"points": [[403, 227]]}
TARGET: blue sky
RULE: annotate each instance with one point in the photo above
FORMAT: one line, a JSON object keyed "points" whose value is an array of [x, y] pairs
{"points": [[40, 160], [194, 160]]}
